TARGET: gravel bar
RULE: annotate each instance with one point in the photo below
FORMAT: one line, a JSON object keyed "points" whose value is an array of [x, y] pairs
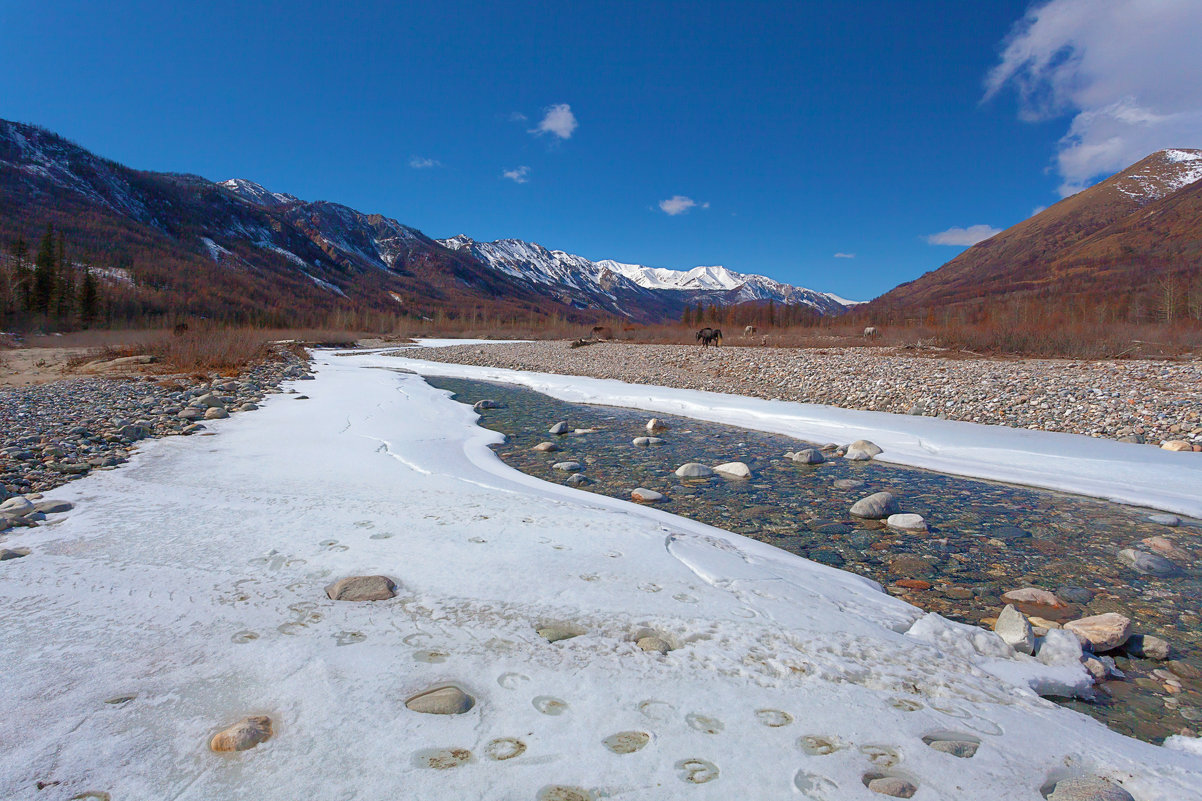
{"points": [[1129, 400]]}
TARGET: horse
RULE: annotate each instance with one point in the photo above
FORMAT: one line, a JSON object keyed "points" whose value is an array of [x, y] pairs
{"points": [[602, 332], [871, 333], [710, 336], [749, 330]]}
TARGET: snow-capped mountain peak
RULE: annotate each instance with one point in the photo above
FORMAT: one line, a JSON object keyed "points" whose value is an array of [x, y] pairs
{"points": [[257, 193], [611, 279], [1160, 174]]}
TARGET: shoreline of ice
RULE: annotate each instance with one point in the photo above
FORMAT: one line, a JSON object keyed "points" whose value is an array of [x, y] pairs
{"points": [[1135, 475]]}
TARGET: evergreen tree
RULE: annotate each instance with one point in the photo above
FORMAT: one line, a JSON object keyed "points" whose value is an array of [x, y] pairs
{"points": [[43, 273], [64, 284], [89, 297]]}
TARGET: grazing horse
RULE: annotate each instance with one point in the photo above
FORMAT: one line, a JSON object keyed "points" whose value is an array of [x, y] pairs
{"points": [[709, 336], [749, 330], [871, 333]]}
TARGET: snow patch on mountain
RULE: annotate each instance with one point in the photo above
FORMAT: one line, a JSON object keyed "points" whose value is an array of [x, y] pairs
{"points": [[1167, 172], [257, 193]]}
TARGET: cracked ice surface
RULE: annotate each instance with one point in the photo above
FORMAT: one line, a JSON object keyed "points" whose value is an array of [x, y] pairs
{"points": [[190, 582]]}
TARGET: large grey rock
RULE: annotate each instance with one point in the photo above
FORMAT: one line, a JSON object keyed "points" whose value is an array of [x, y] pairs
{"points": [[655, 425], [243, 735], [849, 483], [871, 448], [807, 456], [1152, 564], [643, 442], [964, 749], [876, 506], [906, 522], [569, 467], [1166, 520], [893, 786], [1100, 633], [17, 505], [654, 644], [576, 480], [1014, 629], [694, 470], [362, 588], [445, 700], [558, 428], [12, 553], [216, 413], [488, 404], [50, 506], [733, 470], [1088, 788], [210, 400], [545, 447], [1148, 646]]}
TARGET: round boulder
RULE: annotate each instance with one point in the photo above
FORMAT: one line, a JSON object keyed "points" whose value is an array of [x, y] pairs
{"points": [[807, 456], [906, 522], [558, 428], [655, 425], [1151, 564], [733, 470], [876, 506], [1088, 788], [694, 470], [569, 467]]}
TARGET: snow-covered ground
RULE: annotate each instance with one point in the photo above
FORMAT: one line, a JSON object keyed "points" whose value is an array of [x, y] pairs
{"points": [[1102, 468], [191, 582]]}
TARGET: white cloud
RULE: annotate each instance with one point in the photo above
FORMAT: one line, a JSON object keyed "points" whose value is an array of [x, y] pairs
{"points": [[420, 163], [845, 255], [517, 116], [1037, 209], [558, 120], [963, 237], [679, 204], [519, 176], [1124, 69]]}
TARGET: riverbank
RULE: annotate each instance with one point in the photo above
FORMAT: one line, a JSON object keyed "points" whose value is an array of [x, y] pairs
{"points": [[1133, 401]]}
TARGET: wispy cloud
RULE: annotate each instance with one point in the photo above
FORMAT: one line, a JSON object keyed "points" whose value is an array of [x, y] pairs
{"points": [[1037, 209], [963, 237], [845, 255], [421, 163], [558, 120], [521, 175], [679, 204], [517, 116], [1116, 67]]}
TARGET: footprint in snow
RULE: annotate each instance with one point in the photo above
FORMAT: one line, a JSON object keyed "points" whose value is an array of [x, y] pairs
{"points": [[549, 705], [696, 771], [704, 724]]}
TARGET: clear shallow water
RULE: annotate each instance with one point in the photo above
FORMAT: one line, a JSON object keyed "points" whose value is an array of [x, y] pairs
{"points": [[973, 554]]}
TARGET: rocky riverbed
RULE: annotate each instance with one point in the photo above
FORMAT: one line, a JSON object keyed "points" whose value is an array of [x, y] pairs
{"points": [[1018, 560], [1132, 400], [56, 432]]}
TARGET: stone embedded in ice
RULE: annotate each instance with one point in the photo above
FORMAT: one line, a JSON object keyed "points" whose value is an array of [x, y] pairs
{"points": [[446, 700], [243, 735], [1014, 629], [362, 588]]}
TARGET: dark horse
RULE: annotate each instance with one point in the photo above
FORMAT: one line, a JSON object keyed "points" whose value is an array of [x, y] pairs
{"points": [[709, 336]]}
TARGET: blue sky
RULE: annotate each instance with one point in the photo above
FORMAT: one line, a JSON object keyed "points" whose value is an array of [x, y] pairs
{"points": [[798, 131]]}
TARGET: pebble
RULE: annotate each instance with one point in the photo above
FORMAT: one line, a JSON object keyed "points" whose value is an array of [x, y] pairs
{"points": [[362, 588], [646, 495], [243, 735], [446, 700]]}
